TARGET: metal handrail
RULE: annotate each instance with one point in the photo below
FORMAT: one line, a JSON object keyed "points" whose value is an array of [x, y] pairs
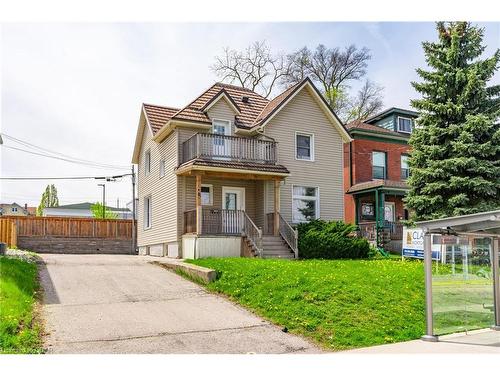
{"points": [[289, 234], [253, 233]]}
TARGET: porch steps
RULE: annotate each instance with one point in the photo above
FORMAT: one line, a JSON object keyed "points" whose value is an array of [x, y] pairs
{"points": [[275, 247]]}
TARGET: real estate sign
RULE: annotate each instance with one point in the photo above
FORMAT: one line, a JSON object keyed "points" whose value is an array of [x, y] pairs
{"points": [[413, 244]]}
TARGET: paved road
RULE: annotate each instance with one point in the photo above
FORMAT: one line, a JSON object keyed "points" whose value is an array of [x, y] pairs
{"points": [[123, 304]]}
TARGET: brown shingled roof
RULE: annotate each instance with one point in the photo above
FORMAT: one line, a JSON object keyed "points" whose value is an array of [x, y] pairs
{"points": [[275, 103], [377, 183], [357, 124], [158, 115]]}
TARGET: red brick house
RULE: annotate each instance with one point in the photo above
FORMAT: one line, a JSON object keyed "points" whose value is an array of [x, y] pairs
{"points": [[375, 173]]}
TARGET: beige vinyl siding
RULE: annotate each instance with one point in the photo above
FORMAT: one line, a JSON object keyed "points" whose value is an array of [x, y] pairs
{"points": [[162, 191], [222, 111], [303, 114]]}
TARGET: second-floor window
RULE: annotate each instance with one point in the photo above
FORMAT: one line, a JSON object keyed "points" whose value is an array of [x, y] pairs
{"points": [[378, 165], [304, 146], [147, 162], [405, 170], [162, 167], [14, 209], [404, 125]]}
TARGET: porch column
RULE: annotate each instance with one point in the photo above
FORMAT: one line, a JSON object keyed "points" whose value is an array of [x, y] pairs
{"points": [[429, 323], [198, 204], [496, 281], [276, 207]]}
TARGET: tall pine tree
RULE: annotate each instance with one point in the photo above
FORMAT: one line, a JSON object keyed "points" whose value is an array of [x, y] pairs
{"points": [[455, 159]]}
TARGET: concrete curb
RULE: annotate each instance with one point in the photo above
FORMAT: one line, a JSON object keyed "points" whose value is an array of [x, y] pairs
{"points": [[206, 275]]}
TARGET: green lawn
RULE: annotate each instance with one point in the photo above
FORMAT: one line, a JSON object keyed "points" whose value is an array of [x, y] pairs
{"points": [[19, 332], [340, 304]]}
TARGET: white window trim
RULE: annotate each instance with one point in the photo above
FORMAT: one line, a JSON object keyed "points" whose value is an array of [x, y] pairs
{"points": [[147, 170], [312, 145], [163, 167], [214, 120], [150, 212], [318, 206], [403, 131], [211, 194], [14, 209]]}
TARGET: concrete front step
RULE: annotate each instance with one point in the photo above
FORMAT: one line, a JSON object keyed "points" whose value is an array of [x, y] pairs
{"points": [[284, 256]]}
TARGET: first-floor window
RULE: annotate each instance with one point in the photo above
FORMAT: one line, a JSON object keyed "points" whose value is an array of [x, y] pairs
{"points": [[305, 205], [206, 195], [147, 212]]}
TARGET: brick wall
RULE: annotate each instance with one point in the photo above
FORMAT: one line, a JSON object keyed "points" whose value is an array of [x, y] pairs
{"points": [[75, 245], [362, 169]]}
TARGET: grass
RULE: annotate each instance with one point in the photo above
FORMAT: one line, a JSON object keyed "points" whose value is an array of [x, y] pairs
{"points": [[340, 304], [19, 331]]}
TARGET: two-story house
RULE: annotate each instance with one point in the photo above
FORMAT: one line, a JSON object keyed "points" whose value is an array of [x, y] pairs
{"points": [[231, 172], [375, 173]]}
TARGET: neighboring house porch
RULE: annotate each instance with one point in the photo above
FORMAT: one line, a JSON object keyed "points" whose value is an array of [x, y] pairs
{"points": [[379, 212]]}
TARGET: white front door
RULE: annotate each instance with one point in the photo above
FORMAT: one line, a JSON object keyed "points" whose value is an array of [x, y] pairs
{"points": [[221, 145], [233, 202]]}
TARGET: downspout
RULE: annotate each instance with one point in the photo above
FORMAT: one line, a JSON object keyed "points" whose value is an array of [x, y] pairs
{"points": [[350, 164]]}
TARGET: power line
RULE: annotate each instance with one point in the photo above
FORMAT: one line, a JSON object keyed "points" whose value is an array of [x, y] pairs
{"points": [[40, 151], [66, 178]]}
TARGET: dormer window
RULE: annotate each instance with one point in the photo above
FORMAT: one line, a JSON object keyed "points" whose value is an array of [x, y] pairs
{"points": [[404, 125]]}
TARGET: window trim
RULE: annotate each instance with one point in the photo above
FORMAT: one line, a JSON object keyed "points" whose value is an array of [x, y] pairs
{"points": [[385, 162], [404, 131], [229, 122], [149, 212], [147, 162], [401, 166], [163, 167], [317, 199], [211, 194], [311, 135], [13, 209]]}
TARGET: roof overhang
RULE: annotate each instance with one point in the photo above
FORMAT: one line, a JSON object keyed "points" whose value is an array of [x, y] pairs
{"points": [[484, 222], [334, 120], [193, 170], [357, 131], [166, 129], [143, 123]]}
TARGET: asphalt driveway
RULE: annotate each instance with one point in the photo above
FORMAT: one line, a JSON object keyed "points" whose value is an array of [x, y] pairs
{"points": [[124, 304]]}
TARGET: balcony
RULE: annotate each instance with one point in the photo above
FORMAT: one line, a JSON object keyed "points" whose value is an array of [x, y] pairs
{"points": [[218, 147]]}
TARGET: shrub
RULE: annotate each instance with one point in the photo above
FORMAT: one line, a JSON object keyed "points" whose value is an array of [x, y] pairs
{"points": [[331, 240]]}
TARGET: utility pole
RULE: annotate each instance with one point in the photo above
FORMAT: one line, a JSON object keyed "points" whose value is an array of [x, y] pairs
{"points": [[134, 208], [103, 199]]}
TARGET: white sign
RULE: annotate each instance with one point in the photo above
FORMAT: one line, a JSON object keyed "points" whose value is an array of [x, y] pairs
{"points": [[413, 244]]}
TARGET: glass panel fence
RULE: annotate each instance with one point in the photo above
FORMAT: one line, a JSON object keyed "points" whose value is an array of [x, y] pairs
{"points": [[462, 284]]}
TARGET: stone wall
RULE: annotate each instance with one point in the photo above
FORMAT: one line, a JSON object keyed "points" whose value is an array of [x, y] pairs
{"points": [[75, 245]]}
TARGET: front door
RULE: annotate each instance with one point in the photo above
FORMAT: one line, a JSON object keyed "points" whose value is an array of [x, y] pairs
{"points": [[233, 203], [221, 144]]}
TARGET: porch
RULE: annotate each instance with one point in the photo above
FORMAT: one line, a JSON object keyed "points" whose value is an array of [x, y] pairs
{"points": [[229, 206], [379, 212]]}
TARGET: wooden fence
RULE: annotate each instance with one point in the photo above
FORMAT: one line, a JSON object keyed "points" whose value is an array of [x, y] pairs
{"points": [[8, 232], [35, 226]]}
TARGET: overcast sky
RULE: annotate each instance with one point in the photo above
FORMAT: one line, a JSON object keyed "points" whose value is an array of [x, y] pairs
{"points": [[77, 88]]}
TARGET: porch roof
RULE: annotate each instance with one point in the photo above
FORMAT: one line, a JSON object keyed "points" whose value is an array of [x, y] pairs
{"points": [[390, 185], [210, 165]]}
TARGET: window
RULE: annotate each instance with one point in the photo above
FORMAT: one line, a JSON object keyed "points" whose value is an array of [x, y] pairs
{"points": [[207, 195], [147, 212], [14, 209], [305, 205], [147, 162], [378, 165], [404, 125], [405, 170], [367, 211], [304, 145], [162, 168]]}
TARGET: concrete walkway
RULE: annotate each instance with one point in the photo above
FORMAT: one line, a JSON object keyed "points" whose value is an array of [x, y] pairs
{"points": [[484, 341], [123, 304]]}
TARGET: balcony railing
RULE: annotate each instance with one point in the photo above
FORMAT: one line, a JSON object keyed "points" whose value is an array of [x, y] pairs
{"points": [[230, 148]]}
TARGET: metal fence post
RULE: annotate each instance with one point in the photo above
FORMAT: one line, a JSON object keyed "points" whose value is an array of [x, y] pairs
{"points": [[429, 323], [496, 281]]}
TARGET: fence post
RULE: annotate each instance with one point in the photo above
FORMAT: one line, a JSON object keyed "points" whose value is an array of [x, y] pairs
{"points": [[13, 234]]}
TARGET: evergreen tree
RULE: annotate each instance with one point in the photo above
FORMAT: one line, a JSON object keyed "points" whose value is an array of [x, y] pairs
{"points": [[49, 199], [455, 159]]}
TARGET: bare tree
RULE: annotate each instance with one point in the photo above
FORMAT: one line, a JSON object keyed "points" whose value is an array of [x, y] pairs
{"points": [[331, 68], [367, 102], [256, 68]]}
